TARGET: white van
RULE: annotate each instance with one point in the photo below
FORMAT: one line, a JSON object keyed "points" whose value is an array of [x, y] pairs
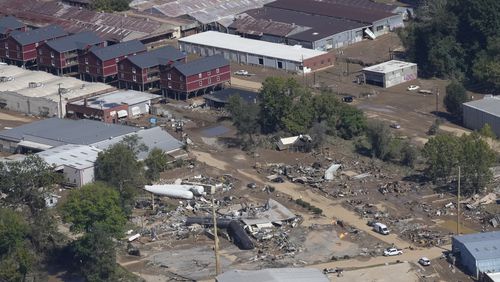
{"points": [[380, 228]]}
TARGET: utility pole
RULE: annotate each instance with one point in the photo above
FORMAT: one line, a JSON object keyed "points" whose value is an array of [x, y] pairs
{"points": [[437, 102], [60, 100], [458, 203], [216, 240]]}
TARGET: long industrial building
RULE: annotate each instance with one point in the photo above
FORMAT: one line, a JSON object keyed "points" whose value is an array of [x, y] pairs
{"points": [[477, 114], [256, 52], [40, 93]]}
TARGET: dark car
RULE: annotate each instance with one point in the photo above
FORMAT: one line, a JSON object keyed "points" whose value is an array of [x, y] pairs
{"points": [[348, 99], [278, 180]]}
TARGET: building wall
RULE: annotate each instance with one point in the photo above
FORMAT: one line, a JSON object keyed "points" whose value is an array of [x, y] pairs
{"points": [[465, 258], [388, 24], [107, 115], [143, 108], [320, 62], [49, 58], [475, 119], [30, 105], [175, 81], [78, 177], [8, 146], [392, 78], [89, 64]]}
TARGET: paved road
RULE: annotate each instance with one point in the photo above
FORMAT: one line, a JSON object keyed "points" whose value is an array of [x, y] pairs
{"points": [[335, 211]]}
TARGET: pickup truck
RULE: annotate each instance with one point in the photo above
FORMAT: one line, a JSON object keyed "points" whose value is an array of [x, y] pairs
{"points": [[392, 252]]}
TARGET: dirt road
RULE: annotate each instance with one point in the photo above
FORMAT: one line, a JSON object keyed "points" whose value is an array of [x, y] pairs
{"points": [[241, 83]]}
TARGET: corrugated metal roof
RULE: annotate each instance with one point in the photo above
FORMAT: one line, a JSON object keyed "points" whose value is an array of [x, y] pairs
{"points": [[202, 64], [110, 100], [9, 23], [66, 131], [74, 42], [389, 66], [273, 275], [38, 35], [482, 245], [334, 10], [251, 46], [154, 137], [488, 104], [250, 25], [160, 56], [118, 50], [76, 156]]}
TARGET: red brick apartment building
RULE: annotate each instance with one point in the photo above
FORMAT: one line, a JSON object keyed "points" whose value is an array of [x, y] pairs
{"points": [[196, 77], [101, 64], [142, 72], [20, 48], [60, 56]]}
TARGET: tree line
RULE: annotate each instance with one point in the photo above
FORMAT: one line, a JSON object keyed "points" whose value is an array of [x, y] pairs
{"points": [[457, 39]]}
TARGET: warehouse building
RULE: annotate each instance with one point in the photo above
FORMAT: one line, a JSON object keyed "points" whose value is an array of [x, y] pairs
{"points": [[477, 114], [75, 162], [113, 107], [478, 253], [390, 73], [256, 52], [37, 92]]}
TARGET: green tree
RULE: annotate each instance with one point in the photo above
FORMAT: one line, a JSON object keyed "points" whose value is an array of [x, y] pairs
{"points": [[443, 155], [16, 259], [27, 182], [409, 155], [487, 132], [133, 142], [455, 97], [380, 139], [277, 96], [486, 66], [156, 162], [352, 122], [94, 204], [118, 166], [327, 109], [299, 117], [245, 116], [96, 256]]}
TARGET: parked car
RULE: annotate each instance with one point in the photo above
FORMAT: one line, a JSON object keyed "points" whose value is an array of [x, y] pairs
{"points": [[424, 261], [241, 72], [252, 185], [392, 252], [348, 99], [278, 180], [413, 87], [395, 125], [381, 228]]}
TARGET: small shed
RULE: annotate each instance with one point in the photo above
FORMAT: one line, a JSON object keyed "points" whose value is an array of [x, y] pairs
{"points": [[390, 73], [294, 143]]}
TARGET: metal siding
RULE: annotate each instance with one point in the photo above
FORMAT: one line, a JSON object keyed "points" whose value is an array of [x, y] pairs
{"points": [[270, 62], [475, 119]]}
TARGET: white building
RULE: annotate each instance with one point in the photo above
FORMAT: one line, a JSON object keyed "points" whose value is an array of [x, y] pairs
{"points": [[390, 73], [478, 113], [76, 162], [37, 92]]}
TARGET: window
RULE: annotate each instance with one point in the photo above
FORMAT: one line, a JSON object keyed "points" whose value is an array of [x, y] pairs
{"points": [[17, 47], [36, 44], [40, 51], [134, 78], [181, 78], [98, 70], [116, 60], [122, 75], [6, 45], [7, 53], [18, 54], [217, 70], [209, 73], [86, 60], [52, 54], [218, 78], [134, 70], [201, 83], [41, 59], [209, 80], [52, 62], [169, 84], [86, 69], [121, 66], [261, 61], [280, 64], [199, 75], [169, 76], [380, 27]]}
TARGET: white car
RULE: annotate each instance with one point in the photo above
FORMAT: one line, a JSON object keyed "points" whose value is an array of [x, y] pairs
{"points": [[396, 125], [424, 261], [413, 87], [241, 72], [392, 252]]}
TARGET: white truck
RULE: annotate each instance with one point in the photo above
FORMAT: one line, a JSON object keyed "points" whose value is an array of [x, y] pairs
{"points": [[380, 228]]}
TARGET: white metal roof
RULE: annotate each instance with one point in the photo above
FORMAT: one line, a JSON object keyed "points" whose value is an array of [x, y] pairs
{"points": [[389, 66], [76, 156], [109, 100], [251, 46], [489, 104], [48, 84]]}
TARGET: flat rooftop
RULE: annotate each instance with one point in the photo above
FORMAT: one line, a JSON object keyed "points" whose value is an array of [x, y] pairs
{"points": [[113, 99], [251, 46], [389, 66], [483, 246], [76, 156], [489, 104], [47, 85]]}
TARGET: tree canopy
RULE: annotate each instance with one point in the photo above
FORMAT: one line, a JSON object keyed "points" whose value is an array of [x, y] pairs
{"points": [[94, 204], [446, 152], [245, 116], [156, 162], [455, 97], [110, 5], [457, 39]]}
